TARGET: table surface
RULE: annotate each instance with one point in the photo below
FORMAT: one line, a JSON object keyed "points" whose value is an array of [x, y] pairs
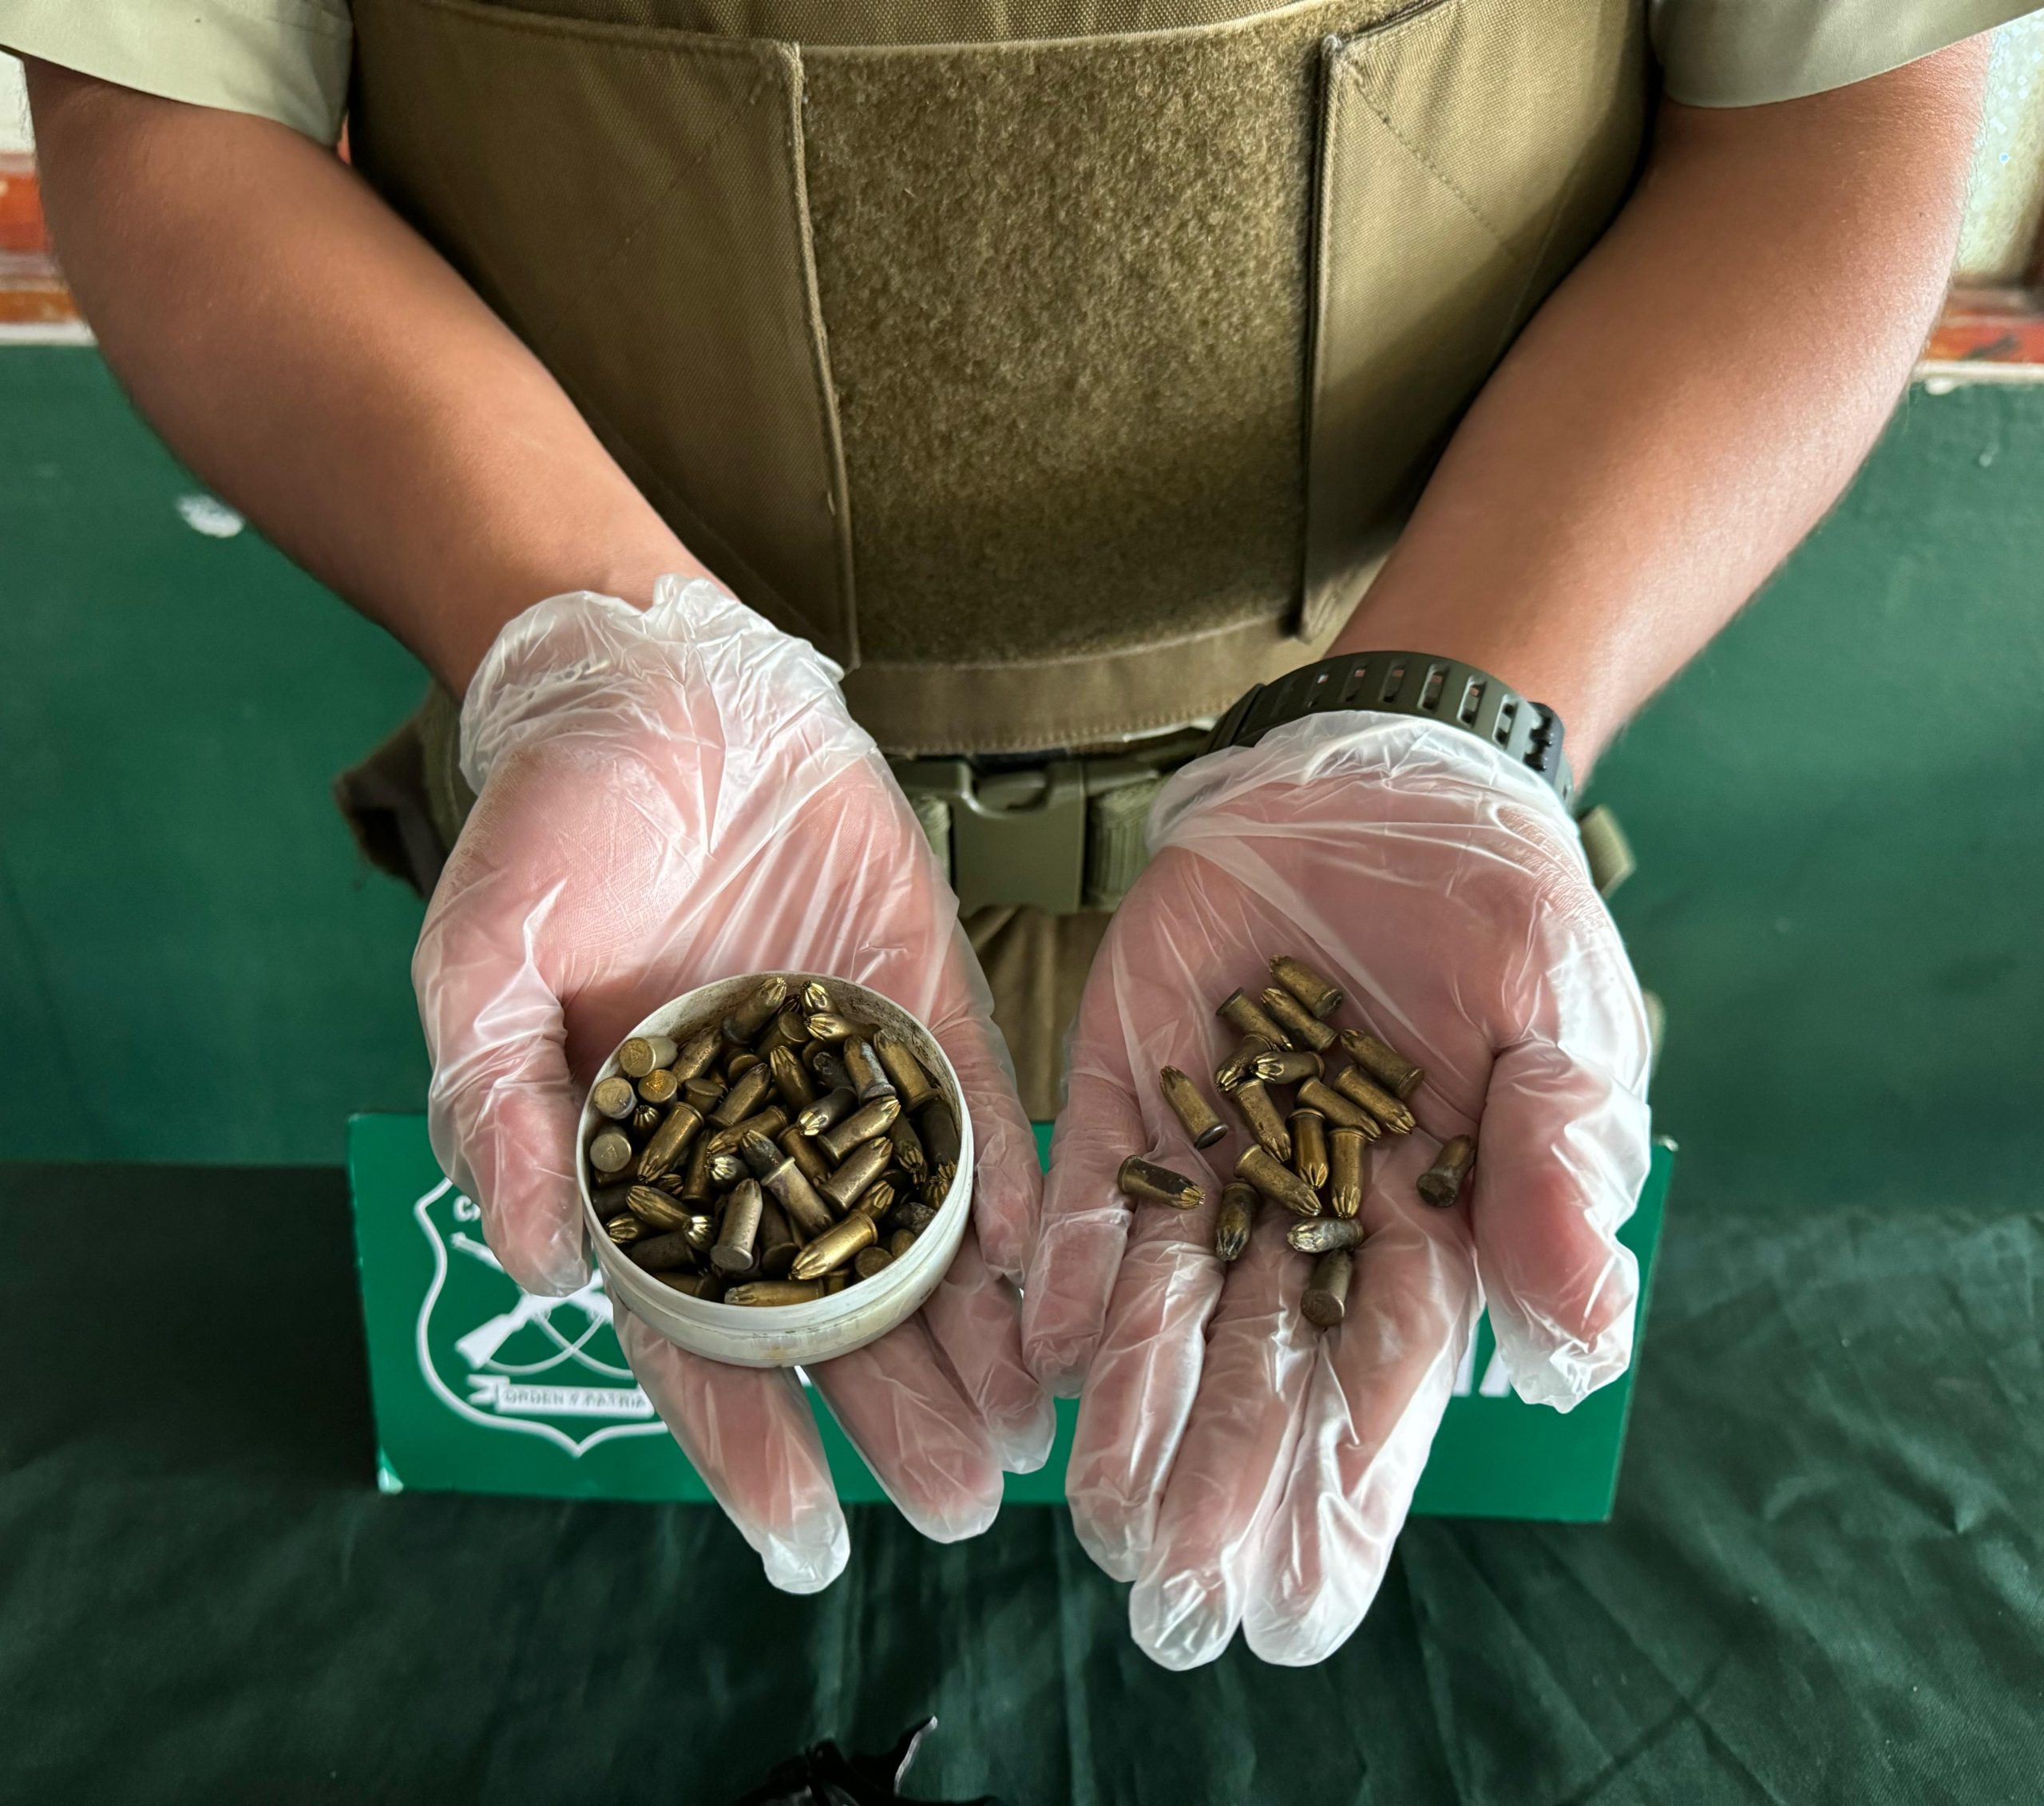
{"points": [[1822, 1583]]}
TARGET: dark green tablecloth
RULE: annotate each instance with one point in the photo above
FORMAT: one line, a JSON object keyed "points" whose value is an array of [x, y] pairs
{"points": [[1823, 1582]]}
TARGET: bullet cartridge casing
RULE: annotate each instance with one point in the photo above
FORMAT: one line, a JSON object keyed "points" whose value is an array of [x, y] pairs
{"points": [[726, 1170], [826, 1025], [1265, 1120], [909, 1152], [660, 1086], [614, 1097], [1199, 1118], [758, 1294], [778, 1243], [744, 1023], [672, 1182], [695, 1181], [790, 1028], [791, 1080], [807, 1213], [624, 1228], [1309, 1147], [703, 1095], [1239, 1065], [656, 1209], [899, 1061], [1244, 1013], [825, 1067], [706, 1285], [610, 1149], [937, 1186], [1383, 1063], [1355, 1085], [938, 1127], [1441, 1183], [697, 1050], [665, 1146], [656, 1254], [875, 1201], [900, 1241], [1278, 1181], [760, 1153], [1236, 1218], [834, 1107], [835, 1247], [1287, 1065], [914, 1216], [737, 1065], [1319, 996], [800, 1149], [835, 1282], [747, 1093], [1147, 1182], [1325, 1301], [642, 1053], [815, 998], [862, 1067], [860, 1168], [646, 1119], [1322, 1235], [869, 1122], [872, 1263], [1348, 1170], [1305, 1029], [1341, 1112], [738, 1231], [769, 1122]]}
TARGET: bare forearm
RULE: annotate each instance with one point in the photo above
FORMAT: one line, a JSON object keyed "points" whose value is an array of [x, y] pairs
{"points": [[1686, 406], [319, 365]]}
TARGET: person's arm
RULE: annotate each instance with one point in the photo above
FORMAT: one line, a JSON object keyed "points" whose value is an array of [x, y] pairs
{"points": [[319, 365], [1692, 399]]}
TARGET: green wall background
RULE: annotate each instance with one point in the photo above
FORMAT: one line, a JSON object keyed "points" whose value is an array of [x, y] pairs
{"points": [[1840, 813]]}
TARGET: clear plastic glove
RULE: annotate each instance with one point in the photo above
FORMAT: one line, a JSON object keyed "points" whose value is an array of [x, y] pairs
{"points": [[1237, 1464], [666, 799]]}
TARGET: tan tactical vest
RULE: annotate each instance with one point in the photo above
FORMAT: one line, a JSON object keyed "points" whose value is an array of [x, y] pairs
{"points": [[1059, 366]]}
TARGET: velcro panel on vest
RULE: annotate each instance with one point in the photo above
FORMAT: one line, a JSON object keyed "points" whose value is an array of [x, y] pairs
{"points": [[630, 203]]}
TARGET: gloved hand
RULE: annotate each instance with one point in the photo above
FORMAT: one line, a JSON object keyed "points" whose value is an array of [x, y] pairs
{"points": [[1235, 1462], [665, 799]]}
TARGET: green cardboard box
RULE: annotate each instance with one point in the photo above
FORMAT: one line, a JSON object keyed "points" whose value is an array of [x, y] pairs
{"points": [[479, 1386]]}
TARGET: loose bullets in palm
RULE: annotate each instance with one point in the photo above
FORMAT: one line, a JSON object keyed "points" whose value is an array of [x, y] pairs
{"points": [[1236, 1218], [1200, 1121], [1318, 994], [1287, 1065], [1340, 1112], [1383, 1063], [1375, 1098], [1348, 1170], [1241, 1064], [1278, 1181], [1309, 1147], [1325, 1301], [1322, 1235], [1151, 1183], [1251, 1018], [1304, 1029], [1441, 1183], [1265, 1120]]}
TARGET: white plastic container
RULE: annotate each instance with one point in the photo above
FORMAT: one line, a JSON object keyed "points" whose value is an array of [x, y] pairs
{"points": [[786, 1335]]}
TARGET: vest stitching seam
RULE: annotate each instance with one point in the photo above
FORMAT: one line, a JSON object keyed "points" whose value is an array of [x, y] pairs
{"points": [[1434, 170]]}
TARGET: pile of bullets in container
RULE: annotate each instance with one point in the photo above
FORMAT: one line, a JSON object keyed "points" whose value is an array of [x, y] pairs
{"points": [[776, 1157], [1313, 1160]]}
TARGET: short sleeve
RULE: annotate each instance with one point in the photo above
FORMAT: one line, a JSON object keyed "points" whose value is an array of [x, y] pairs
{"points": [[285, 60], [1742, 53]]}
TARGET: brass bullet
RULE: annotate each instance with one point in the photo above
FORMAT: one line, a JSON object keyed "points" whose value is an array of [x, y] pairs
{"points": [[877, 1200], [748, 1091], [610, 1149], [869, 1122], [1278, 1181], [654, 1208], [624, 1228], [823, 1025], [1238, 1216], [1348, 1170], [660, 1086], [900, 1241], [663, 1147], [703, 1095], [1309, 1147], [726, 1170], [898, 1059], [1375, 1098], [914, 1217], [825, 1067], [872, 1263], [1265, 1121], [757, 1293], [816, 998], [860, 1168], [769, 1122], [1149, 1183], [672, 1183], [1305, 1028], [646, 1119], [1287, 1065], [863, 1068], [778, 1244], [736, 1065], [796, 1192], [1189, 1104], [1247, 1015], [1441, 1183], [1340, 1110], [1241, 1064], [909, 1152], [1325, 1301], [788, 1029], [756, 1011], [1383, 1062], [656, 1254], [708, 1285], [737, 1234], [614, 1097], [694, 1057], [696, 1181], [835, 1282], [791, 1078], [1322, 998], [643, 1052], [610, 1199], [1323, 1235], [833, 1106], [800, 1149], [938, 1126], [836, 1245]]}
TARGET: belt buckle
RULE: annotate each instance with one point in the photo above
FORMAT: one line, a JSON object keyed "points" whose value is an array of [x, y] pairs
{"points": [[1017, 837]]}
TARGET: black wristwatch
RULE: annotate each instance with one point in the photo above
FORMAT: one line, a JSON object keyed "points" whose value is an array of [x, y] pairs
{"points": [[1416, 683]]}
